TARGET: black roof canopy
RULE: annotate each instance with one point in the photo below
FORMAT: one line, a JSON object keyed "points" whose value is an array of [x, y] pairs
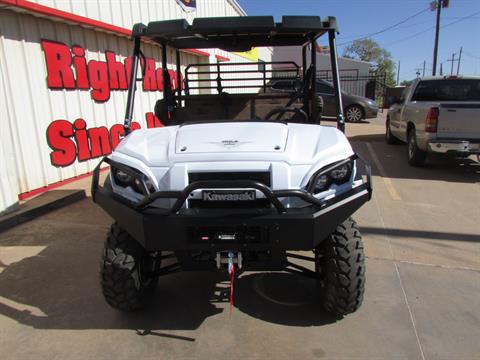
{"points": [[238, 33]]}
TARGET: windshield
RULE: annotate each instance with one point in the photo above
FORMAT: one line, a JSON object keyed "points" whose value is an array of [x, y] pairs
{"points": [[447, 90]]}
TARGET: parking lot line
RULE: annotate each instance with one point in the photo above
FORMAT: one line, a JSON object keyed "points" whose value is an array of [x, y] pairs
{"points": [[382, 221], [387, 181], [419, 263]]}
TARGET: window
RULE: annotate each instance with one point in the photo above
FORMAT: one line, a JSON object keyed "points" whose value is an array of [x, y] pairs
{"points": [[284, 85], [404, 94], [447, 90], [324, 88]]}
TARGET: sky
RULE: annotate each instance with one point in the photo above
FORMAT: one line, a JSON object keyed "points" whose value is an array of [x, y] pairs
{"points": [[411, 42]]}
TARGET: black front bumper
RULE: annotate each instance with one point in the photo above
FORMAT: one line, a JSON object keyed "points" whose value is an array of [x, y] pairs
{"points": [[275, 228]]}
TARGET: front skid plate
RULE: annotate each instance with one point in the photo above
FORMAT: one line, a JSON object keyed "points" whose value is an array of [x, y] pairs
{"points": [[298, 229]]}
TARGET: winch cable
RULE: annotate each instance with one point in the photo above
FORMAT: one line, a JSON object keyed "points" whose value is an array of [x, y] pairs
{"points": [[232, 279], [231, 272]]}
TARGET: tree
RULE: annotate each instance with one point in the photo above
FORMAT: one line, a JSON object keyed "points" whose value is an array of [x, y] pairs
{"points": [[369, 50]]}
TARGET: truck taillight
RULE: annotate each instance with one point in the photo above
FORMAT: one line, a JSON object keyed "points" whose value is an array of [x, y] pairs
{"points": [[431, 121]]}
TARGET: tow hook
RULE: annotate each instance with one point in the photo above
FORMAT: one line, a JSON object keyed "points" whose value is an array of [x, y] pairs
{"points": [[230, 258]]}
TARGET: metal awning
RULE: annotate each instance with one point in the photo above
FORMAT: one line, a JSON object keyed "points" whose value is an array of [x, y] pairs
{"points": [[239, 33]]}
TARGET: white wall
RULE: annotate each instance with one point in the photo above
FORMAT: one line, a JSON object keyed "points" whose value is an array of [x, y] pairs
{"points": [[294, 53], [126, 13], [30, 106]]}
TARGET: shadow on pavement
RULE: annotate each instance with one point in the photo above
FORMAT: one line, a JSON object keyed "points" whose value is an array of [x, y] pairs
{"points": [[281, 298], [59, 289], [394, 161], [37, 293]]}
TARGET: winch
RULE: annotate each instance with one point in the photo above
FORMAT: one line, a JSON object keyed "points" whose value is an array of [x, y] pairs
{"points": [[230, 258]]}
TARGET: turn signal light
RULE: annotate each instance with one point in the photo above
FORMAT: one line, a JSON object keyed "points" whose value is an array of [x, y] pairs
{"points": [[431, 121]]}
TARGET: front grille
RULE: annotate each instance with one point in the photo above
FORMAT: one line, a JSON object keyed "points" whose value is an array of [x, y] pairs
{"points": [[260, 176], [256, 204]]}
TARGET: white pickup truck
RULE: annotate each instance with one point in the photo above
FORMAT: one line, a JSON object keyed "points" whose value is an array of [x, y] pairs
{"points": [[437, 115]]}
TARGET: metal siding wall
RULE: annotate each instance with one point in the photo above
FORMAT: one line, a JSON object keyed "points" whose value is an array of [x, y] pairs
{"points": [[125, 13], [8, 166], [30, 106]]}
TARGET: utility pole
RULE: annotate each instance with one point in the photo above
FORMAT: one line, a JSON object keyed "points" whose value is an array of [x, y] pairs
{"points": [[437, 34], [459, 59], [441, 69], [424, 63], [398, 73], [453, 62]]}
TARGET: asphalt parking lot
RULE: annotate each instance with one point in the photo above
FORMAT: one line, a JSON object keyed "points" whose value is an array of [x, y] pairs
{"points": [[422, 240]]}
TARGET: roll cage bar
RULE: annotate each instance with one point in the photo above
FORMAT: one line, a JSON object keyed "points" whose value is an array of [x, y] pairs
{"points": [[235, 34]]}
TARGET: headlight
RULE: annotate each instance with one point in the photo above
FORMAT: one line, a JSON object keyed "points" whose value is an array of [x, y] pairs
{"points": [[340, 173], [320, 183], [149, 184], [124, 179], [322, 179]]}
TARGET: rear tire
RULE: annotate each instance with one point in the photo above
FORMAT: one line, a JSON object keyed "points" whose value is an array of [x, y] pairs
{"points": [[416, 157], [126, 285], [389, 138], [341, 263]]}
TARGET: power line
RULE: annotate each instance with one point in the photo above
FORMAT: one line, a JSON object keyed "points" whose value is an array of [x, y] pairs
{"points": [[462, 18], [471, 56], [387, 28], [433, 27], [407, 26], [458, 17]]}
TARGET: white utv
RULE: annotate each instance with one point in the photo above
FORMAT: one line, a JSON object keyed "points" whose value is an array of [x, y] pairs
{"points": [[236, 180]]}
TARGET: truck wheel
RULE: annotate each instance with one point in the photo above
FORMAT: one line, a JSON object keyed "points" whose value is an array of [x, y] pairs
{"points": [[416, 157], [389, 138], [341, 264], [354, 113], [126, 285]]}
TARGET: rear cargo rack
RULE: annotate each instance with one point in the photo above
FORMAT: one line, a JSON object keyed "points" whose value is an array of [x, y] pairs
{"points": [[230, 75]]}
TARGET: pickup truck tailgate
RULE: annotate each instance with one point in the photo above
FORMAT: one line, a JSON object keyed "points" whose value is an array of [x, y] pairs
{"points": [[458, 100], [459, 121]]}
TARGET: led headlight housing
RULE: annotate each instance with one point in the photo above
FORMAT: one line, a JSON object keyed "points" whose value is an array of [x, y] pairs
{"points": [[128, 177], [122, 178], [338, 173]]}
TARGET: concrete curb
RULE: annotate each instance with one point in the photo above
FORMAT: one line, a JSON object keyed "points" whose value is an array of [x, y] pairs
{"points": [[41, 205]]}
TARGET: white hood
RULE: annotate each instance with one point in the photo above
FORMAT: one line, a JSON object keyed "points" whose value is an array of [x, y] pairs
{"points": [[225, 137], [294, 144]]}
